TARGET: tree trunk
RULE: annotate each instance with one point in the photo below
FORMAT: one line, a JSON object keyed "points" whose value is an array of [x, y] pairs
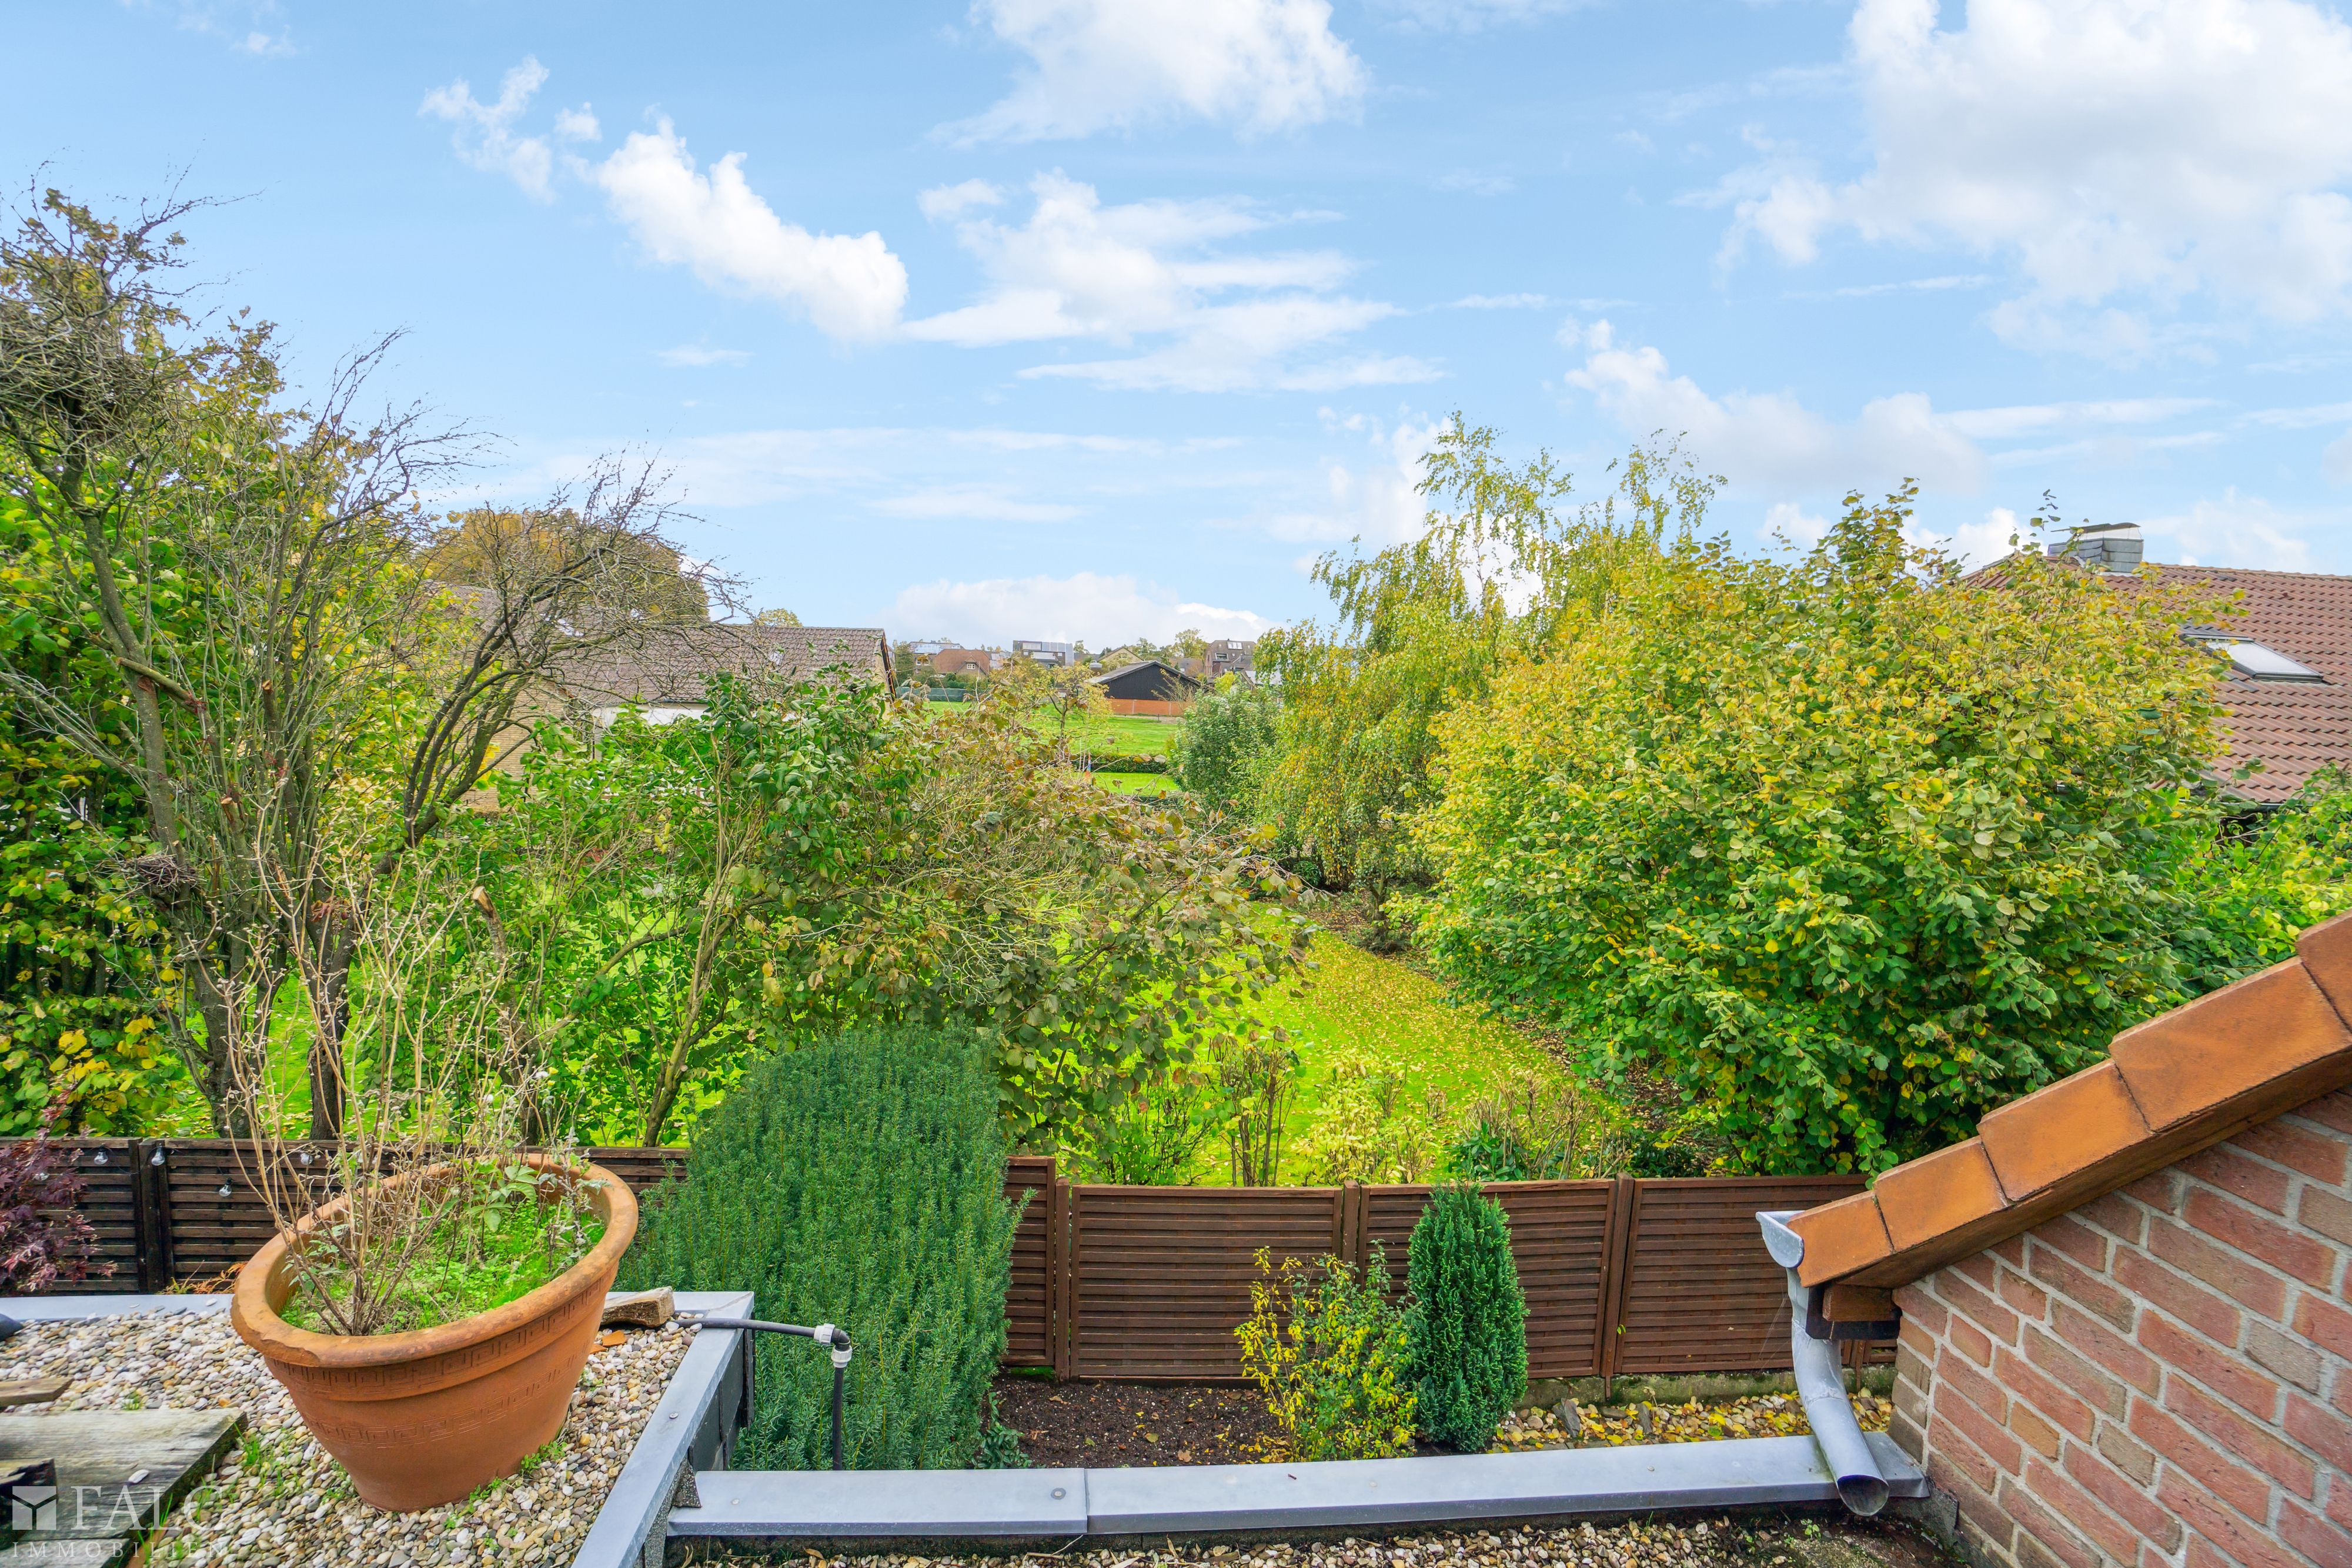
{"points": [[232, 1116], [330, 1018]]}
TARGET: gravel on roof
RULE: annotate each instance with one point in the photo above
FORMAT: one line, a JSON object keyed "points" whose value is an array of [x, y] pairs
{"points": [[281, 1502]]}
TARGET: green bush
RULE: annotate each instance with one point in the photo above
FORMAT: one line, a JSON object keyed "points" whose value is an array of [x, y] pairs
{"points": [[1330, 1350], [1848, 849], [858, 1181], [1223, 744], [1466, 1321]]}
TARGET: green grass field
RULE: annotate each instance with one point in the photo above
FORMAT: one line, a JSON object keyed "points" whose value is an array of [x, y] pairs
{"points": [[1396, 1015], [1127, 737], [1136, 783]]}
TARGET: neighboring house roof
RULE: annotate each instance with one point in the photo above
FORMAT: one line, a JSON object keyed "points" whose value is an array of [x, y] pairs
{"points": [[673, 664], [1146, 680], [2295, 731], [2169, 1087]]}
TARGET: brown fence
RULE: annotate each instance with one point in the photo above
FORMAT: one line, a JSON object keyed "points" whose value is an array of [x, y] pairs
{"points": [[1621, 1276], [1146, 1283]]}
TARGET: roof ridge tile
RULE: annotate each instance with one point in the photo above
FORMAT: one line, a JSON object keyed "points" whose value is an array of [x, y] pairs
{"points": [[2179, 1082]]}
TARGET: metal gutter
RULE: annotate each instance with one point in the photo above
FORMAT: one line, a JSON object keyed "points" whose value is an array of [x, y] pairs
{"points": [[798, 1507], [693, 1427], [1821, 1383]]}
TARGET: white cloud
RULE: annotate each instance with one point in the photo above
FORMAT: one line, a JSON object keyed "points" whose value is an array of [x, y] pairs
{"points": [[1379, 501], [1469, 183], [578, 125], [1258, 65], [851, 286], [484, 137], [1973, 545], [698, 354], [1790, 521], [987, 503], [1501, 302], [1471, 15], [951, 201], [2146, 149], [1768, 439], [2302, 418], [1907, 285], [2335, 459], [1101, 612], [1635, 140], [1078, 270], [266, 44], [2236, 530], [2025, 419]]}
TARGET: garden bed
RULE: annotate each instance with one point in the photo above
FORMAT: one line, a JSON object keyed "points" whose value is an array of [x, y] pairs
{"points": [[1079, 1425], [281, 1502], [1103, 1425]]}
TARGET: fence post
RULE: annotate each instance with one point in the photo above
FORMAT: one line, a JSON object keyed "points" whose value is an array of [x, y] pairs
{"points": [[1059, 1325], [1074, 1238], [1617, 1269], [1351, 1247], [144, 1216]]}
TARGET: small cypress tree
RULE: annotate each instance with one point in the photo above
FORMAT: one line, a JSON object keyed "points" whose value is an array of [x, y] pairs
{"points": [[1466, 1321], [856, 1181]]}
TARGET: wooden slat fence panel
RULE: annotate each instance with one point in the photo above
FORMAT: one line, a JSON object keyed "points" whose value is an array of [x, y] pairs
{"points": [[1701, 1294], [113, 1203], [1028, 1310], [1163, 1273], [1559, 1236], [1149, 1283]]}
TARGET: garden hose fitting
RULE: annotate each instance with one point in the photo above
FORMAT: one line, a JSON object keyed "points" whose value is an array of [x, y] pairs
{"points": [[831, 1337]]}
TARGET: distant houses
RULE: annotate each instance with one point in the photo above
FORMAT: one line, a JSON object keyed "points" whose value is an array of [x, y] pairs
{"points": [[666, 672], [1149, 688]]}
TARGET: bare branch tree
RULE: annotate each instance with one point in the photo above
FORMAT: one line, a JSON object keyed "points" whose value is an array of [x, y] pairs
{"points": [[264, 580]]}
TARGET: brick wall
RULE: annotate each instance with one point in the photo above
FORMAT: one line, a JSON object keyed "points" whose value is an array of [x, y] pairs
{"points": [[2163, 1377]]}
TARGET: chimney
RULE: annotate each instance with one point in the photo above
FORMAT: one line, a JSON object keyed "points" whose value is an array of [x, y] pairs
{"points": [[2104, 547]]}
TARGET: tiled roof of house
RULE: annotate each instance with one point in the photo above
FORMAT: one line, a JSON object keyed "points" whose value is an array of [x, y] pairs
{"points": [[2169, 1087], [2294, 730], [675, 663]]}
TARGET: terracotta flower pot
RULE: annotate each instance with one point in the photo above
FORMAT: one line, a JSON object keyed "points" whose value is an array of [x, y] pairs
{"points": [[425, 1417]]}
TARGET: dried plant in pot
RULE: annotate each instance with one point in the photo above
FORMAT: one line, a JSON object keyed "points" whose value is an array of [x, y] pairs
{"points": [[433, 1289]]}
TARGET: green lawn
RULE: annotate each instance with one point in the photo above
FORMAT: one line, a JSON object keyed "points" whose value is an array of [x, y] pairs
{"points": [[1137, 783], [1127, 737], [1393, 1014]]}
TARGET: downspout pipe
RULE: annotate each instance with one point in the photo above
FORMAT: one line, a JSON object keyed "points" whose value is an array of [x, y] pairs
{"points": [[1820, 1382]]}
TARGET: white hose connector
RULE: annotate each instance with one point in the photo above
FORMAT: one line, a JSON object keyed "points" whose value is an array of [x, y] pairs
{"points": [[1820, 1382]]}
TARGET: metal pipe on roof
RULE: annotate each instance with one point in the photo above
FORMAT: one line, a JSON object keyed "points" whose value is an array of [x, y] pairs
{"points": [[1820, 1382]]}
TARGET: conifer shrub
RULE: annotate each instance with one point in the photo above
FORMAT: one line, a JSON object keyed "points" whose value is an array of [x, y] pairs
{"points": [[855, 1181], [1465, 1319]]}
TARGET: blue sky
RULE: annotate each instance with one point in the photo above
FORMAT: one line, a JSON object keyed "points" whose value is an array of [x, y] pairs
{"points": [[1096, 318]]}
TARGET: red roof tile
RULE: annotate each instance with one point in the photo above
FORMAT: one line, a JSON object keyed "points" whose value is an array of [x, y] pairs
{"points": [[2293, 730], [2202, 1072]]}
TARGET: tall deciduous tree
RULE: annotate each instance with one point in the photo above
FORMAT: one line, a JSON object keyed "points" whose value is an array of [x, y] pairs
{"points": [[1502, 561], [1850, 848]]}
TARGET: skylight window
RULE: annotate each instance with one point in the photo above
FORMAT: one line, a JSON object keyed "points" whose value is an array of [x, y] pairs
{"points": [[2252, 658]]}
